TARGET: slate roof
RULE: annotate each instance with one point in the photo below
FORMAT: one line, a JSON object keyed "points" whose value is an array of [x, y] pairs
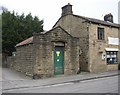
{"points": [[93, 20], [97, 21], [27, 41]]}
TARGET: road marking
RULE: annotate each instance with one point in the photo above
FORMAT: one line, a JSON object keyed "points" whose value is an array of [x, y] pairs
{"points": [[54, 85], [45, 86], [58, 84]]}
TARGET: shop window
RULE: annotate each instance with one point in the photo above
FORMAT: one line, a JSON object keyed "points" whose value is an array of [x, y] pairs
{"points": [[111, 57], [100, 33]]}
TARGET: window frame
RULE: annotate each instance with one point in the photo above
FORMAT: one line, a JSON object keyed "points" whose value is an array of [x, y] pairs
{"points": [[113, 55], [100, 33]]}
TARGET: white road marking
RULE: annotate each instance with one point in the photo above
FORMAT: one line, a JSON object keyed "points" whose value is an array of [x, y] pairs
{"points": [[59, 84], [47, 86]]}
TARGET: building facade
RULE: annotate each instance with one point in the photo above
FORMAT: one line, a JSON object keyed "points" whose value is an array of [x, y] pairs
{"points": [[119, 30], [74, 44], [48, 54]]}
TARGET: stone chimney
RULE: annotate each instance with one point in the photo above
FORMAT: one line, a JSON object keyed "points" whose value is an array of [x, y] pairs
{"points": [[108, 17], [67, 9]]}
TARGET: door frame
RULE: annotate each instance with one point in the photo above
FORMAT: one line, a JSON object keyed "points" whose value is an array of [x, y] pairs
{"points": [[62, 64]]}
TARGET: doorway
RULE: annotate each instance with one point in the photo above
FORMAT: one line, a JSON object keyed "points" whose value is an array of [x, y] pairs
{"points": [[58, 60]]}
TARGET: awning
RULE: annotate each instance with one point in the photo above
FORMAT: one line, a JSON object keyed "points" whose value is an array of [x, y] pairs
{"points": [[111, 49]]}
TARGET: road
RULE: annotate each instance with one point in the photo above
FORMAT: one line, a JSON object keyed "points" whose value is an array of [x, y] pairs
{"points": [[100, 85]]}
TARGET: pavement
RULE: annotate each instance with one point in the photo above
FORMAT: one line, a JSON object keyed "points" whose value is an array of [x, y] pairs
{"points": [[26, 82]]}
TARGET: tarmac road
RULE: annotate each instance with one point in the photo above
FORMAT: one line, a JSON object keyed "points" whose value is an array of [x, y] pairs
{"points": [[98, 85], [102, 85]]}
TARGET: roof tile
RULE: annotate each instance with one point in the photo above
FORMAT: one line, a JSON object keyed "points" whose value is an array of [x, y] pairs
{"points": [[27, 41]]}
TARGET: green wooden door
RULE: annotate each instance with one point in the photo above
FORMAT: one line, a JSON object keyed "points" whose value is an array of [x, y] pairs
{"points": [[58, 61]]}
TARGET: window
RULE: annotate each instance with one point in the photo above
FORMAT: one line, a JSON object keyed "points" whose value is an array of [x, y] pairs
{"points": [[111, 57], [100, 33]]}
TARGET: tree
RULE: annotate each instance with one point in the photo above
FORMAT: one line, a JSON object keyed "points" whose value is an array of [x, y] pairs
{"points": [[16, 28]]}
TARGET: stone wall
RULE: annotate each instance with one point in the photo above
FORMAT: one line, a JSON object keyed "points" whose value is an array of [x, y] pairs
{"points": [[91, 48], [77, 27], [44, 45], [119, 46], [82, 50], [24, 59], [11, 60], [97, 48]]}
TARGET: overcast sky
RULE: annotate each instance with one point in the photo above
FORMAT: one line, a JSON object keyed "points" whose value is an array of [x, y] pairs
{"points": [[50, 10]]}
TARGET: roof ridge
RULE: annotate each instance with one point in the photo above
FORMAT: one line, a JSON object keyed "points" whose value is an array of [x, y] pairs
{"points": [[94, 20], [98, 21]]}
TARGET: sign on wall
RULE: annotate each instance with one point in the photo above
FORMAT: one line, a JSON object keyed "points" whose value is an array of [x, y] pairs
{"points": [[113, 41], [103, 56]]}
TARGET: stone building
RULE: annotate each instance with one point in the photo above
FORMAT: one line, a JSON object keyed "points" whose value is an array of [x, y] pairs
{"points": [[74, 44], [119, 29], [48, 53]]}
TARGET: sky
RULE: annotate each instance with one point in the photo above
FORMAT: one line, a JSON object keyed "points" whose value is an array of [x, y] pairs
{"points": [[50, 10]]}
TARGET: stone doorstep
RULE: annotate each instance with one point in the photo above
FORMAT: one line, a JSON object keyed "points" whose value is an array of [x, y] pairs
{"points": [[61, 80]]}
